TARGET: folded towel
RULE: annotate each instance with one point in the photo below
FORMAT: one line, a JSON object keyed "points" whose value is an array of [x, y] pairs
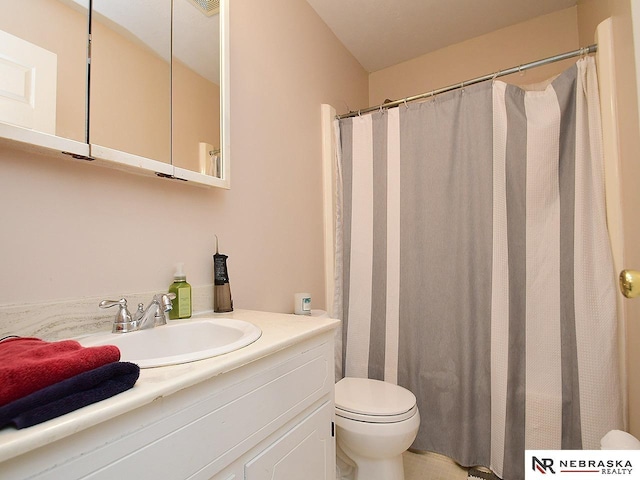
{"points": [[29, 364], [70, 394]]}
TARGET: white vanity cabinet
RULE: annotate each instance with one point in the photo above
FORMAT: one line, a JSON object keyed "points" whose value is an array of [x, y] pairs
{"points": [[305, 451], [271, 418]]}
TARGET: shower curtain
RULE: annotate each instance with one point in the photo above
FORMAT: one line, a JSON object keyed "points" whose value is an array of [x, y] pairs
{"points": [[475, 267]]}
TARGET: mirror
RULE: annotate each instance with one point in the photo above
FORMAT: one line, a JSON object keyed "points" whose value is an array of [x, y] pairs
{"points": [[43, 66], [130, 80], [155, 82], [195, 98]]}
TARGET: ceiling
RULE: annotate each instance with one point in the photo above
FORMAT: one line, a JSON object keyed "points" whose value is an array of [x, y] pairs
{"points": [[381, 33]]}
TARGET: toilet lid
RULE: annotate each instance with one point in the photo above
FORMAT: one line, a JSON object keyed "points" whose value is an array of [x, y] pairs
{"points": [[357, 398]]}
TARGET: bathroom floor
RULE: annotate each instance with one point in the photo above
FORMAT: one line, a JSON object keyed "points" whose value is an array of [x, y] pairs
{"points": [[431, 466]]}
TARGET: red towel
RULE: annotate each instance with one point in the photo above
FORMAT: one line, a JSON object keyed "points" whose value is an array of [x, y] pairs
{"points": [[29, 364]]}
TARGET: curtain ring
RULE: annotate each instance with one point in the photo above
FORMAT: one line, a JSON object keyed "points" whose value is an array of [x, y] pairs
{"points": [[405, 103], [495, 75], [381, 111], [461, 88], [520, 70], [359, 113]]}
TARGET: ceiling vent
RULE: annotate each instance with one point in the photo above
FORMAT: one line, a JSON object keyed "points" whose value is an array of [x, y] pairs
{"points": [[208, 7]]}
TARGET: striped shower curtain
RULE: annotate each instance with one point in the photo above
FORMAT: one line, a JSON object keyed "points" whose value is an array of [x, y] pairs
{"points": [[476, 269]]}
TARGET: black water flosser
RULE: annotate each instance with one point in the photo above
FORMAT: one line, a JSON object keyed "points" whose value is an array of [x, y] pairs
{"points": [[221, 290]]}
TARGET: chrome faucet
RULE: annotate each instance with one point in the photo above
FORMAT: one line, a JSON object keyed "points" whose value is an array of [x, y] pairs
{"points": [[152, 316]]}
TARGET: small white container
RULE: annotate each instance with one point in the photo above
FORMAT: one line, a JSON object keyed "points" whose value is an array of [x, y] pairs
{"points": [[302, 304]]}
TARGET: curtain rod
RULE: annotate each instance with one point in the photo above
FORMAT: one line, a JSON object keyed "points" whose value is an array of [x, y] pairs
{"points": [[491, 76]]}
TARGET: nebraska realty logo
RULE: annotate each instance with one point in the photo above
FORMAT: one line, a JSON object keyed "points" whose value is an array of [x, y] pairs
{"points": [[582, 464]]}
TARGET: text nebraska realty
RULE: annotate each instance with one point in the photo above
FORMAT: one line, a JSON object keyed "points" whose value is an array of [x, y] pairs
{"points": [[605, 467]]}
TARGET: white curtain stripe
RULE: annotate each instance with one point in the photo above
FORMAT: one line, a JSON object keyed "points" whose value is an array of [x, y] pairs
{"points": [[361, 272], [595, 287], [500, 283], [543, 412]]}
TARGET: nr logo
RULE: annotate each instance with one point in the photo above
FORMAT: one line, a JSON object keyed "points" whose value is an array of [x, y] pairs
{"points": [[542, 465]]}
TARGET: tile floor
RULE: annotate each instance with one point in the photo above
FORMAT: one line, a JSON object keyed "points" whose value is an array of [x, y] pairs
{"points": [[431, 466]]}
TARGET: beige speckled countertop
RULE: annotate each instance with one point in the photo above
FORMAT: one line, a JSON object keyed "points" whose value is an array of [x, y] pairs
{"points": [[279, 331]]}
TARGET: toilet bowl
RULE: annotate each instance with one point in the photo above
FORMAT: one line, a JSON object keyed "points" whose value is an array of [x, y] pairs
{"points": [[376, 422]]}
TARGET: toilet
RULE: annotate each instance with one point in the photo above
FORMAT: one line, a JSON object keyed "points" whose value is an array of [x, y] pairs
{"points": [[376, 422]]}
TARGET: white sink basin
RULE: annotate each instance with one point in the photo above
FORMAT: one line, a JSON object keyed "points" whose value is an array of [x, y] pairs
{"points": [[179, 341]]}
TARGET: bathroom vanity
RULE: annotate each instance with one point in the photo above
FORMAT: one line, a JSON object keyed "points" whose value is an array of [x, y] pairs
{"points": [[262, 412]]}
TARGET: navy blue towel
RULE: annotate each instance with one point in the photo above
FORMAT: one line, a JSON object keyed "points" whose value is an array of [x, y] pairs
{"points": [[70, 394]]}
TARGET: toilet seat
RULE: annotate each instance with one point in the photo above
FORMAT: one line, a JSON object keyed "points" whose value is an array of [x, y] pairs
{"points": [[368, 418], [373, 401]]}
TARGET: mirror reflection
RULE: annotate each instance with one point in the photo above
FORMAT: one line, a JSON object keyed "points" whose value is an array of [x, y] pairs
{"points": [[43, 66], [130, 84], [151, 97], [196, 86]]}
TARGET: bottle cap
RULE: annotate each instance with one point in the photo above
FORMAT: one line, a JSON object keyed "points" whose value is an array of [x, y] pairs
{"points": [[179, 276]]}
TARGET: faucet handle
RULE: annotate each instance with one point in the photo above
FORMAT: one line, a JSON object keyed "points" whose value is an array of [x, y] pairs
{"points": [[123, 317], [139, 313]]}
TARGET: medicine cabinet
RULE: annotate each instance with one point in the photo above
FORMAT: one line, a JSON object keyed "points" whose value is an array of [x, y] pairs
{"points": [[139, 86]]}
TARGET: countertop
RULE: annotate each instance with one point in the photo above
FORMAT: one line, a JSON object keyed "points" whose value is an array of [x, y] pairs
{"points": [[279, 331]]}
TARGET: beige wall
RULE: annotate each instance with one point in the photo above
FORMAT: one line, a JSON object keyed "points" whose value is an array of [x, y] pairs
{"points": [[71, 229], [541, 37], [590, 13]]}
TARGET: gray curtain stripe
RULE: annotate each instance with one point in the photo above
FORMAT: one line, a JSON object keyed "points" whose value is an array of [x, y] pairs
{"points": [[346, 138], [379, 282], [446, 231], [565, 88], [516, 183]]}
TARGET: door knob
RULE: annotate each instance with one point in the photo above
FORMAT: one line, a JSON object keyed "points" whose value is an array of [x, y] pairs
{"points": [[630, 283]]}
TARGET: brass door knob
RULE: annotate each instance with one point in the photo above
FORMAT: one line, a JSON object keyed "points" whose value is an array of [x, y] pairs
{"points": [[630, 283]]}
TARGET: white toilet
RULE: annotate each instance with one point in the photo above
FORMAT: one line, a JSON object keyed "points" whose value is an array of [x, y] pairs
{"points": [[377, 421]]}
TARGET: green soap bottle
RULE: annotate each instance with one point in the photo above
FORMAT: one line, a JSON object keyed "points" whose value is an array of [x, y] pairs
{"points": [[182, 290]]}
